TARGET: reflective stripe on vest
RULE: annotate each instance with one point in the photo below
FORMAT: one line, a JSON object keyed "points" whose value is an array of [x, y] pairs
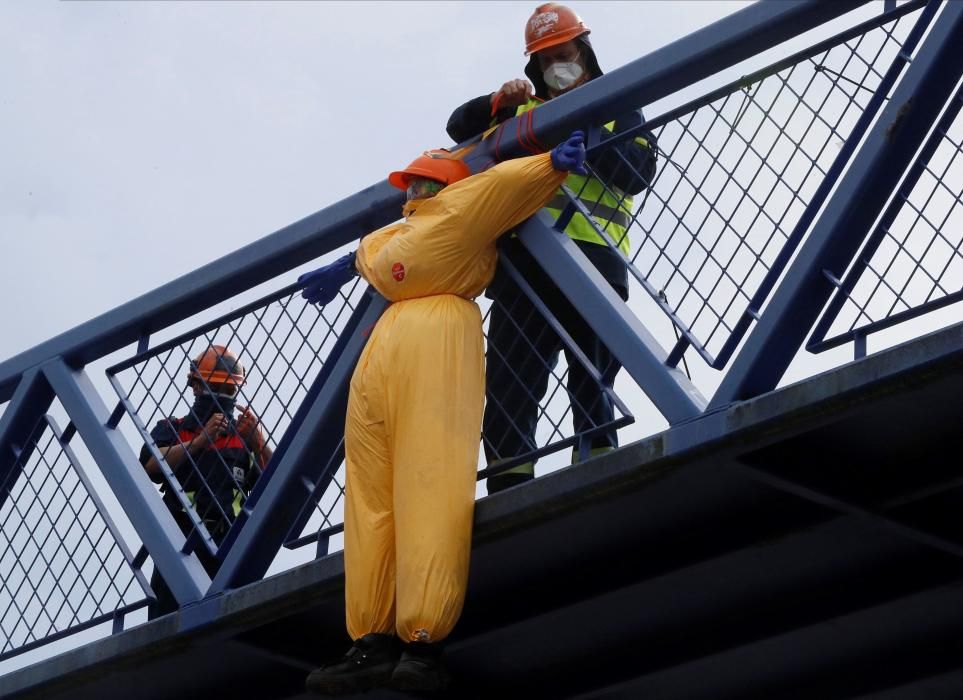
{"points": [[611, 209]]}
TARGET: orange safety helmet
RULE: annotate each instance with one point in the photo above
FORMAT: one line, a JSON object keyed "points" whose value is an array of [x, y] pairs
{"points": [[217, 365], [552, 24], [436, 164]]}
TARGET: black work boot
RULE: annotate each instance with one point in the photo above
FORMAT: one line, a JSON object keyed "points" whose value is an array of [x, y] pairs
{"points": [[420, 668], [368, 664]]}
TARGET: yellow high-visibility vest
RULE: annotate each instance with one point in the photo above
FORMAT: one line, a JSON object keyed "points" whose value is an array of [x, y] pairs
{"points": [[611, 208]]}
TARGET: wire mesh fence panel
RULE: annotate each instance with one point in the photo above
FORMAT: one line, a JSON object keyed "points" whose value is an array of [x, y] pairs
{"points": [[548, 375], [63, 565], [912, 263], [212, 404], [735, 173]]}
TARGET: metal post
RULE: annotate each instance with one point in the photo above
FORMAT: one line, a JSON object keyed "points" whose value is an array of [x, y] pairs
{"points": [[634, 347], [850, 213], [280, 497], [136, 493]]}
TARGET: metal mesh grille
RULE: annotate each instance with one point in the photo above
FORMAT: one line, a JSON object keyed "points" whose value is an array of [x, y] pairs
{"points": [[736, 172], [63, 566], [913, 261], [282, 342], [543, 392]]}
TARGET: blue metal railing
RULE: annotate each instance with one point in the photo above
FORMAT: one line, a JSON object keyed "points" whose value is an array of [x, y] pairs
{"points": [[889, 148], [736, 240]]}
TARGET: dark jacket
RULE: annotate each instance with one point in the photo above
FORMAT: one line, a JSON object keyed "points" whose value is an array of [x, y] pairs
{"points": [[215, 475], [474, 117]]}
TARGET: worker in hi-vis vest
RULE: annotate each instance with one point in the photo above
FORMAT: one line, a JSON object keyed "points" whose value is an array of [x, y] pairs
{"points": [[415, 409], [216, 453], [523, 348]]}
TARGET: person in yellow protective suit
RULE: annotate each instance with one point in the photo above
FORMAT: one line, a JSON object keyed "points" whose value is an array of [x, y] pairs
{"points": [[415, 410]]}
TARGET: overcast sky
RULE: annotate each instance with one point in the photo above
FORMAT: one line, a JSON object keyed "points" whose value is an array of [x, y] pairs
{"points": [[139, 140]]}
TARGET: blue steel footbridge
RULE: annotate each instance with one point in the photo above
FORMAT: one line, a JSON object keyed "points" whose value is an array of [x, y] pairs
{"points": [[778, 539]]}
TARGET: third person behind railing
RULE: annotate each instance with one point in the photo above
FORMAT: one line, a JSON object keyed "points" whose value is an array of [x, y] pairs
{"points": [[561, 59], [215, 455]]}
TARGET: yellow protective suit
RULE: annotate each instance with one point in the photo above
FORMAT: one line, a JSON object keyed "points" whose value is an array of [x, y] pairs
{"points": [[416, 399]]}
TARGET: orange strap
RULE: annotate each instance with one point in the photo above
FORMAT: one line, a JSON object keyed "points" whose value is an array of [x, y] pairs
{"points": [[528, 140], [498, 98]]}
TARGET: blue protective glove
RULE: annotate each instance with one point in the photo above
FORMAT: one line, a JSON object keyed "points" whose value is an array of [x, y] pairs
{"points": [[569, 156], [321, 286]]}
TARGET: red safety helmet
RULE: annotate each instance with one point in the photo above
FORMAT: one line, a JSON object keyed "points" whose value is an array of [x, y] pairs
{"points": [[436, 164], [217, 365], [550, 25]]}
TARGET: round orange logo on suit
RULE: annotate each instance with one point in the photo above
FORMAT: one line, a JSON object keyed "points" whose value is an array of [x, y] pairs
{"points": [[398, 271]]}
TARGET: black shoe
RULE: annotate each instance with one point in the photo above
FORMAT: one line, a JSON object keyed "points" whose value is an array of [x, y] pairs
{"points": [[420, 668], [368, 664], [500, 482]]}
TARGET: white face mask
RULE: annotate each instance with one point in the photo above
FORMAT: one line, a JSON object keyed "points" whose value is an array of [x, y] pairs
{"points": [[562, 76]]}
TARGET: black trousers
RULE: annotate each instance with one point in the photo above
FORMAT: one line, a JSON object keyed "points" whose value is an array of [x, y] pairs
{"points": [[523, 349]]}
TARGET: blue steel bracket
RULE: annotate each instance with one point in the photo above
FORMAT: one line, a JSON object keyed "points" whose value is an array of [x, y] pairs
{"points": [[722, 44], [634, 347], [30, 402], [849, 215], [144, 507], [307, 454]]}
